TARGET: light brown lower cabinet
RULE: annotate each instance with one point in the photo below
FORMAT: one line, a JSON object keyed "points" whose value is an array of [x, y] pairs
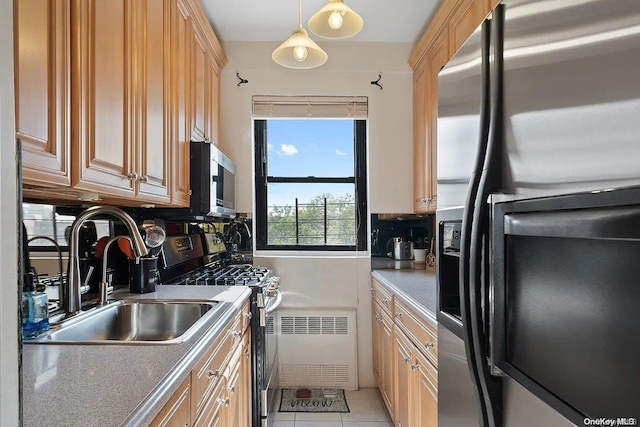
{"points": [[217, 393], [404, 362]]}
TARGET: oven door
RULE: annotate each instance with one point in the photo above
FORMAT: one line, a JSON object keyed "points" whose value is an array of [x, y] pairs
{"points": [[566, 300], [271, 358]]}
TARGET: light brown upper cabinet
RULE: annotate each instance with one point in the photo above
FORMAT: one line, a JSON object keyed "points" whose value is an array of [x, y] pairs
{"points": [[213, 102], [181, 30], [108, 97], [103, 97], [42, 89], [452, 24]]}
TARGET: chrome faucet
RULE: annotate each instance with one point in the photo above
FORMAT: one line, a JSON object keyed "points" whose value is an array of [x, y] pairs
{"points": [[71, 297]]}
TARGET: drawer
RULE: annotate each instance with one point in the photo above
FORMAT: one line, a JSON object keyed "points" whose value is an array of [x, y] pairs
{"points": [[382, 296], [214, 410], [245, 312], [422, 334], [209, 371], [177, 411]]}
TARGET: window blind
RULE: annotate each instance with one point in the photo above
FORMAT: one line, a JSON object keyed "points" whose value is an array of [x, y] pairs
{"points": [[268, 107]]}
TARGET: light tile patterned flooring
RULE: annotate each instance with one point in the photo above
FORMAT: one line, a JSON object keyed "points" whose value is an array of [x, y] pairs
{"points": [[366, 411]]}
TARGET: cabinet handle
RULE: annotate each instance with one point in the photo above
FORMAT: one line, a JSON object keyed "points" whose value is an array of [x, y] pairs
{"points": [[189, 192], [429, 344], [385, 301], [234, 333], [414, 367], [247, 316], [213, 374], [424, 200], [224, 402], [144, 178], [399, 316], [246, 354], [231, 389], [132, 176], [373, 291], [407, 359]]}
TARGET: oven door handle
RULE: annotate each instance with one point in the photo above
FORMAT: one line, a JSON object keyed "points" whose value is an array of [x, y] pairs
{"points": [[276, 304]]}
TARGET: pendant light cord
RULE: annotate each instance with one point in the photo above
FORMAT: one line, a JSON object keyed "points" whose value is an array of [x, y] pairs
{"points": [[300, 14]]}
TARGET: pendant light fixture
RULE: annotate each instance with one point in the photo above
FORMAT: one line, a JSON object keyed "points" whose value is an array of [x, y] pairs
{"points": [[299, 51], [335, 20]]}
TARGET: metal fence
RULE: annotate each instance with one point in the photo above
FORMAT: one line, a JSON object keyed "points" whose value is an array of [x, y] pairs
{"points": [[324, 224]]}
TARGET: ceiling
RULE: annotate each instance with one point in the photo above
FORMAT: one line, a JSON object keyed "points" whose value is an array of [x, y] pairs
{"points": [[275, 20]]}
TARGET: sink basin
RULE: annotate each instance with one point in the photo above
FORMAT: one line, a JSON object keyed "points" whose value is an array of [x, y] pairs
{"points": [[135, 322]]}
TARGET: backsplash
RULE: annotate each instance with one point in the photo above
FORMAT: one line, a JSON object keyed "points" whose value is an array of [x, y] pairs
{"points": [[418, 229]]}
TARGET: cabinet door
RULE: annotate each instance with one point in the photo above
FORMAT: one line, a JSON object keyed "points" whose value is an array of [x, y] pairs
{"points": [[387, 362], [199, 66], [376, 337], [177, 411], [424, 392], [421, 162], [102, 43], [152, 149], [214, 412], [402, 377], [213, 102], [42, 89], [465, 19], [180, 103]]}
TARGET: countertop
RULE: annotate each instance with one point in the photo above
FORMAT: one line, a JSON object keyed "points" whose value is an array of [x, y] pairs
{"points": [[117, 385], [415, 288]]}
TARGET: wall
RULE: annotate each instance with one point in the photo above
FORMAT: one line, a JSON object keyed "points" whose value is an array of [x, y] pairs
{"points": [[328, 282], [9, 375]]}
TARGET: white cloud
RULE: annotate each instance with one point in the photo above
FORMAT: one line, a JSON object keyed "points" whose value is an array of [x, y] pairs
{"points": [[288, 149], [340, 153], [269, 146]]}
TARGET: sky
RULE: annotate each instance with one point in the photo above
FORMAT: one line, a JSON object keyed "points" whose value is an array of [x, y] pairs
{"points": [[300, 148]]}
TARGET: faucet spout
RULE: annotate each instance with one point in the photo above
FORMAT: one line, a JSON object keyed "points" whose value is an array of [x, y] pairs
{"points": [[71, 297]]}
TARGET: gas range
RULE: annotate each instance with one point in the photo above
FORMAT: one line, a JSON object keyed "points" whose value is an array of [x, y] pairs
{"points": [[226, 275]]}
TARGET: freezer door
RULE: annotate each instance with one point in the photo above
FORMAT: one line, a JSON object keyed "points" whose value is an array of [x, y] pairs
{"points": [[459, 98], [571, 96]]}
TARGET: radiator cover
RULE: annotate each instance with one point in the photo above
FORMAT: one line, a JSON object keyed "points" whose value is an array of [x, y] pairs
{"points": [[317, 348]]}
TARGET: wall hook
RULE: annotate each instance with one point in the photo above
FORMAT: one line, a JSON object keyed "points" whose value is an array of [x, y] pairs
{"points": [[377, 82], [241, 79]]}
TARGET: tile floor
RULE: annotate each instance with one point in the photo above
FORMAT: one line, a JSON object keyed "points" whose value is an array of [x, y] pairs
{"points": [[366, 411]]}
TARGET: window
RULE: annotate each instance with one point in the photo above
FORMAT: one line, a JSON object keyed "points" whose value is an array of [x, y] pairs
{"points": [[310, 182]]}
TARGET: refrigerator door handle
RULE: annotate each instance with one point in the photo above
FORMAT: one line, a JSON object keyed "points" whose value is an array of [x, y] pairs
{"points": [[469, 325]]}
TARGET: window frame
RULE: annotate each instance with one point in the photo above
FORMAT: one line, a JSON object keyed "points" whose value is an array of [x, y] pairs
{"points": [[262, 181]]}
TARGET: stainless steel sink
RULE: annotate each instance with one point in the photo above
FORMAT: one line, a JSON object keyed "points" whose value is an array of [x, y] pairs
{"points": [[136, 322]]}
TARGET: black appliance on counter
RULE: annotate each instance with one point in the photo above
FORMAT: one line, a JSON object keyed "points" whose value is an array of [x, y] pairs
{"points": [[200, 259], [538, 218]]}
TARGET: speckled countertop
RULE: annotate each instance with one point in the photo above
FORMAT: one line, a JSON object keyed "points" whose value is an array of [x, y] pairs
{"points": [[416, 288], [117, 385]]}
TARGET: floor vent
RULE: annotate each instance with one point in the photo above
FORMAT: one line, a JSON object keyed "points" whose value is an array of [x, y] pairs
{"points": [[317, 348]]}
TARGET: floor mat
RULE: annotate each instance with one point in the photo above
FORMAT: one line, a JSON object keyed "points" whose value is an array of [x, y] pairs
{"points": [[313, 400]]}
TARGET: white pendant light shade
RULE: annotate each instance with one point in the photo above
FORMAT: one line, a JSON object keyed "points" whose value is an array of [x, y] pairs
{"points": [[335, 20], [300, 52]]}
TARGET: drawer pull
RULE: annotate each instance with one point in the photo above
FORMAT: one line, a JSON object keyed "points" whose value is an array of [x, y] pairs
{"points": [[407, 359], [429, 344], [234, 333], [373, 291], [213, 374], [231, 389], [247, 316], [399, 316], [414, 367], [224, 402], [385, 301], [246, 354]]}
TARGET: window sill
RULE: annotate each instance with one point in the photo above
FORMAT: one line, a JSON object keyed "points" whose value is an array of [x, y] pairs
{"points": [[311, 254]]}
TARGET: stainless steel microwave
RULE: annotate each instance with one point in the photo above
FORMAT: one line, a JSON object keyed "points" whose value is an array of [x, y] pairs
{"points": [[213, 182]]}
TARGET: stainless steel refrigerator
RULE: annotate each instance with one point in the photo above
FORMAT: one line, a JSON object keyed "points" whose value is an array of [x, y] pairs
{"points": [[539, 217]]}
